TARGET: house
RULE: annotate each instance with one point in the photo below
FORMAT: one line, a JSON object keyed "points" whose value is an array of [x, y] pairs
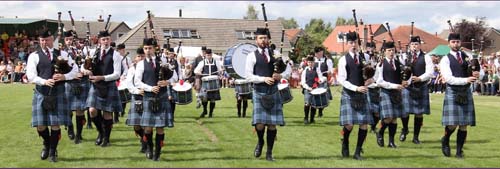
{"points": [[216, 34], [493, 35], [402, 33], [336, 44], [293, 34], [116, 29]]}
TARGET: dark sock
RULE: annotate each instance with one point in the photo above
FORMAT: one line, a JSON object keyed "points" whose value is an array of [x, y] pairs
{"points": [[238, 106], [139, 132], [245, 105], [271, 136], [212, 107], [417, 126], [98, 123], [148, 138], [448, 133], [108, 125], [361, 138], [345, 133], [461, 136], [320, 111], [405, 120], [205, 104], [375, 122], [382, 129], [55, 135], [392, 131], [313, 113], [80, 121], [45, 136], [159, 142], [306, 112], [260, 135]]}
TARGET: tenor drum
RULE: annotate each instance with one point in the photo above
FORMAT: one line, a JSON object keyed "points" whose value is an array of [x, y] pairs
{"points": [[183, 93], [285, 92], [319, 98], [210, 83], [242, 86], [235, 59]]}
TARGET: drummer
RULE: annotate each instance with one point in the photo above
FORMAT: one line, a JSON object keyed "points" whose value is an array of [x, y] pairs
{"points": [[208, 67], [242, 98], [175, 66], [310, 79]]}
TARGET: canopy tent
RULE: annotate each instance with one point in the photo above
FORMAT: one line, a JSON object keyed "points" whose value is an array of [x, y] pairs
{"points": [[442, 50], [12, 25], [191, 52]]}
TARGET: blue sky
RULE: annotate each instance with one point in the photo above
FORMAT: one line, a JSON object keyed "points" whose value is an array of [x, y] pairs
{"points": [[428, 15]]}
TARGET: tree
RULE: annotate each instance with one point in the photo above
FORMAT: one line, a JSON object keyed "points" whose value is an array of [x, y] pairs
{"points": [[472, 30], [252, 14], [342, 21], [316, 32], [288, 24]]}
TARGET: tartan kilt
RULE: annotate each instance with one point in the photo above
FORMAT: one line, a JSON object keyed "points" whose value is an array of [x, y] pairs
{"points": [[454, 114], [387, 109], [325, 85], [58, 117], [78, 102], [349, 115], [263, 116], [374, 107], [134, 117], [307, 97], [110, 104], [163, 118], [243, 96], [212, 95], [413, 106]]}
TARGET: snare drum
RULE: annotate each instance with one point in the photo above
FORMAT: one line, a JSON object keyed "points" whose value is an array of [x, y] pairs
{"points": [[125, 96], [319, 98], [235, 59], [242, 86], [210, 83], [285, 93], [183, 93]]}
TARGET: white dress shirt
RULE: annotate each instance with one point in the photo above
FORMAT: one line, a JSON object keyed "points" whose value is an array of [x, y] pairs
{"points": [[139, 72], [429, 66], [32, 73], [117, 65], [303, 77], [342, 74], [380, 79], [129, 81], [445, 69], [199, 68], [250, 64], [323, 59]]}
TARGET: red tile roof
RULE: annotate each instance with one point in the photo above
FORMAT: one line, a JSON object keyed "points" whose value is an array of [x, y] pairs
{"points": [[402, 33]]}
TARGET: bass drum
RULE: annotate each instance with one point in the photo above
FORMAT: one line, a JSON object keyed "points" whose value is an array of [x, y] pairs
{"points": [[235, 59]]}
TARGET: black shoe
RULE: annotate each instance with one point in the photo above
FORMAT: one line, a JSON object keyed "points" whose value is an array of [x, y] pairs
{"points": [[149, 152], [345, 150], [105, 142], [210, 115], [460, 154], [269, 157], [258, 150], [53, 156], [402, 137], [156, 156], [445, 148], [380, 140], [392, 145], [357, 157], [239, 115], [98, 140], [203, 114], [143, 147], [78, 139], [45, 153], [416, 141], [312, 121], [306, 121], [71, 133]]}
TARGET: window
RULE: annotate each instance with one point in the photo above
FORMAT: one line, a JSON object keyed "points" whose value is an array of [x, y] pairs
{"points": [[181, 33], [245, 35], [120, 34]]}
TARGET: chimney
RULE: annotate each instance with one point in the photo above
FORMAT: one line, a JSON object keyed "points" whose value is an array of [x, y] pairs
{"points": [[436, 34], [100, 19], [361, 21], [180, 13]]}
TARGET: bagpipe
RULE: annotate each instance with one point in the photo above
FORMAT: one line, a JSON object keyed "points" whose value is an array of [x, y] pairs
{"points": [[406, 70], [368, 70], [279, 63]]}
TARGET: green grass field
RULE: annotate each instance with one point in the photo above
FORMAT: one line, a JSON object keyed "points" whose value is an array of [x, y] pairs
{"points": [[228, 141]]}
